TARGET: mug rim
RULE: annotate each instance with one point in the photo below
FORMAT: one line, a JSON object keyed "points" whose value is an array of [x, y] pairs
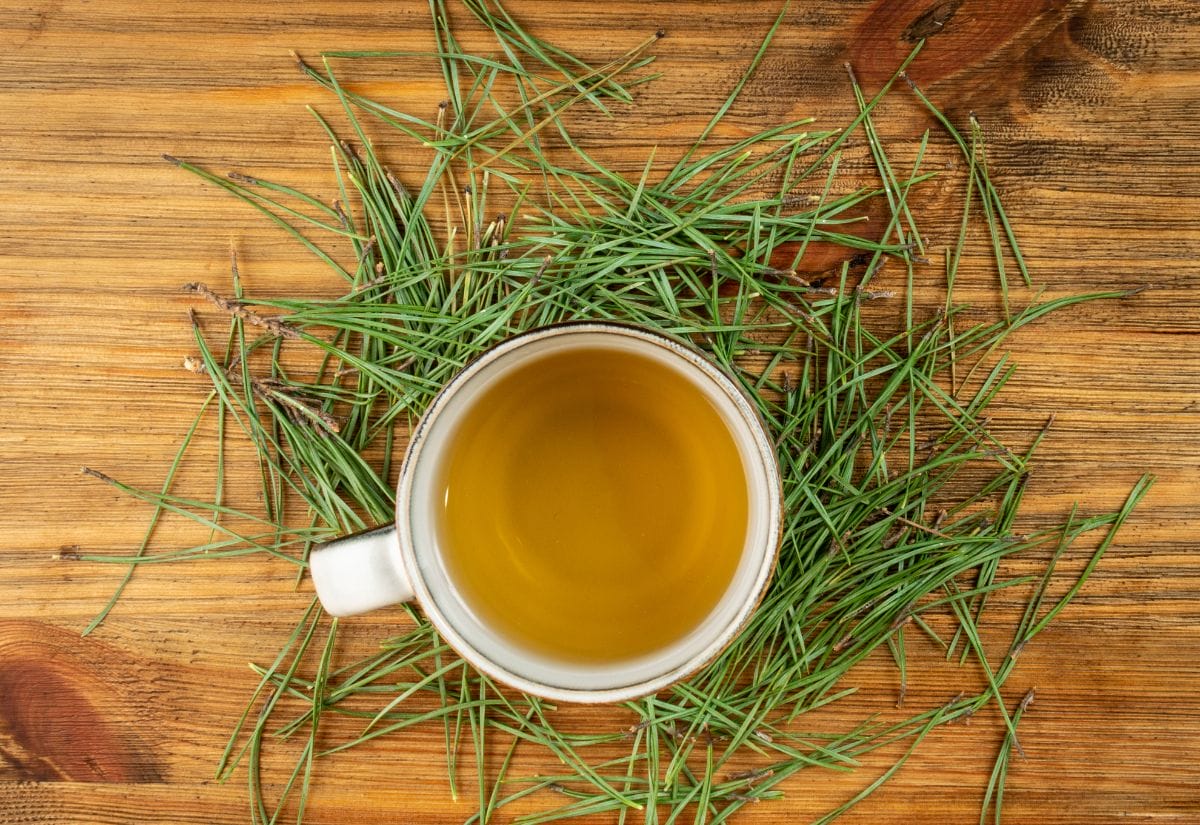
{"points": [[753, 424]]}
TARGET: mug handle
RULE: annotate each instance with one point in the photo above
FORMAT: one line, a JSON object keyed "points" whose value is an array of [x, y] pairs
{"points": [[359, 573]]}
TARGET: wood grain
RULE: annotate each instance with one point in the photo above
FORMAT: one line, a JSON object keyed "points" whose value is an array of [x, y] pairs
{"points": [[1090, 110]]}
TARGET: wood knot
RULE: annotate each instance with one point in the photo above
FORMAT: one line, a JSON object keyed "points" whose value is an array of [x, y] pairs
{"points": [[979, 43], [54, 720]]}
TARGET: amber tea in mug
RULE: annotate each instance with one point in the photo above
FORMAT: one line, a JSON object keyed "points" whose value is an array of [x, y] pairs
{"points": [[594, 505]]}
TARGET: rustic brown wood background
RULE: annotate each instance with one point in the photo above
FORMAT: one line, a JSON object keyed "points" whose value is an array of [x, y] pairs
{"points": [[1093, 113]]}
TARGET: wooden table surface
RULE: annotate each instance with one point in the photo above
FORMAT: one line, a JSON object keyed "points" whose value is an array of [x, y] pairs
{"points": [[1093, 114]]}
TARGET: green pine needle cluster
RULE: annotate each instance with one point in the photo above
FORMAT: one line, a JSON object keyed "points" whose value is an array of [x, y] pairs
{"points": [[900, 504]]}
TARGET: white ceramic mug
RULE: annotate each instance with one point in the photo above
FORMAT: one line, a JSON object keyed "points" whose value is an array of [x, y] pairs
{"points": [[400, 563]]}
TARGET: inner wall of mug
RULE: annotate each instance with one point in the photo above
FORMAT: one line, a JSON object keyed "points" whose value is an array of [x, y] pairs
{"points": [[539, 673]]}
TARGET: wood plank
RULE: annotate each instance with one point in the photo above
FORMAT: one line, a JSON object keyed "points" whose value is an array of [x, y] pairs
{"points": [[1089, 108]]}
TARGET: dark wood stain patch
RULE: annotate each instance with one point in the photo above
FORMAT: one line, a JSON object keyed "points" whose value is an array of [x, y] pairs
{"points": [[931, 22]]}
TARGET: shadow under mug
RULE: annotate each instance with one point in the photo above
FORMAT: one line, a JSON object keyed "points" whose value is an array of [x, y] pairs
{"points": [[403, 562]]}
